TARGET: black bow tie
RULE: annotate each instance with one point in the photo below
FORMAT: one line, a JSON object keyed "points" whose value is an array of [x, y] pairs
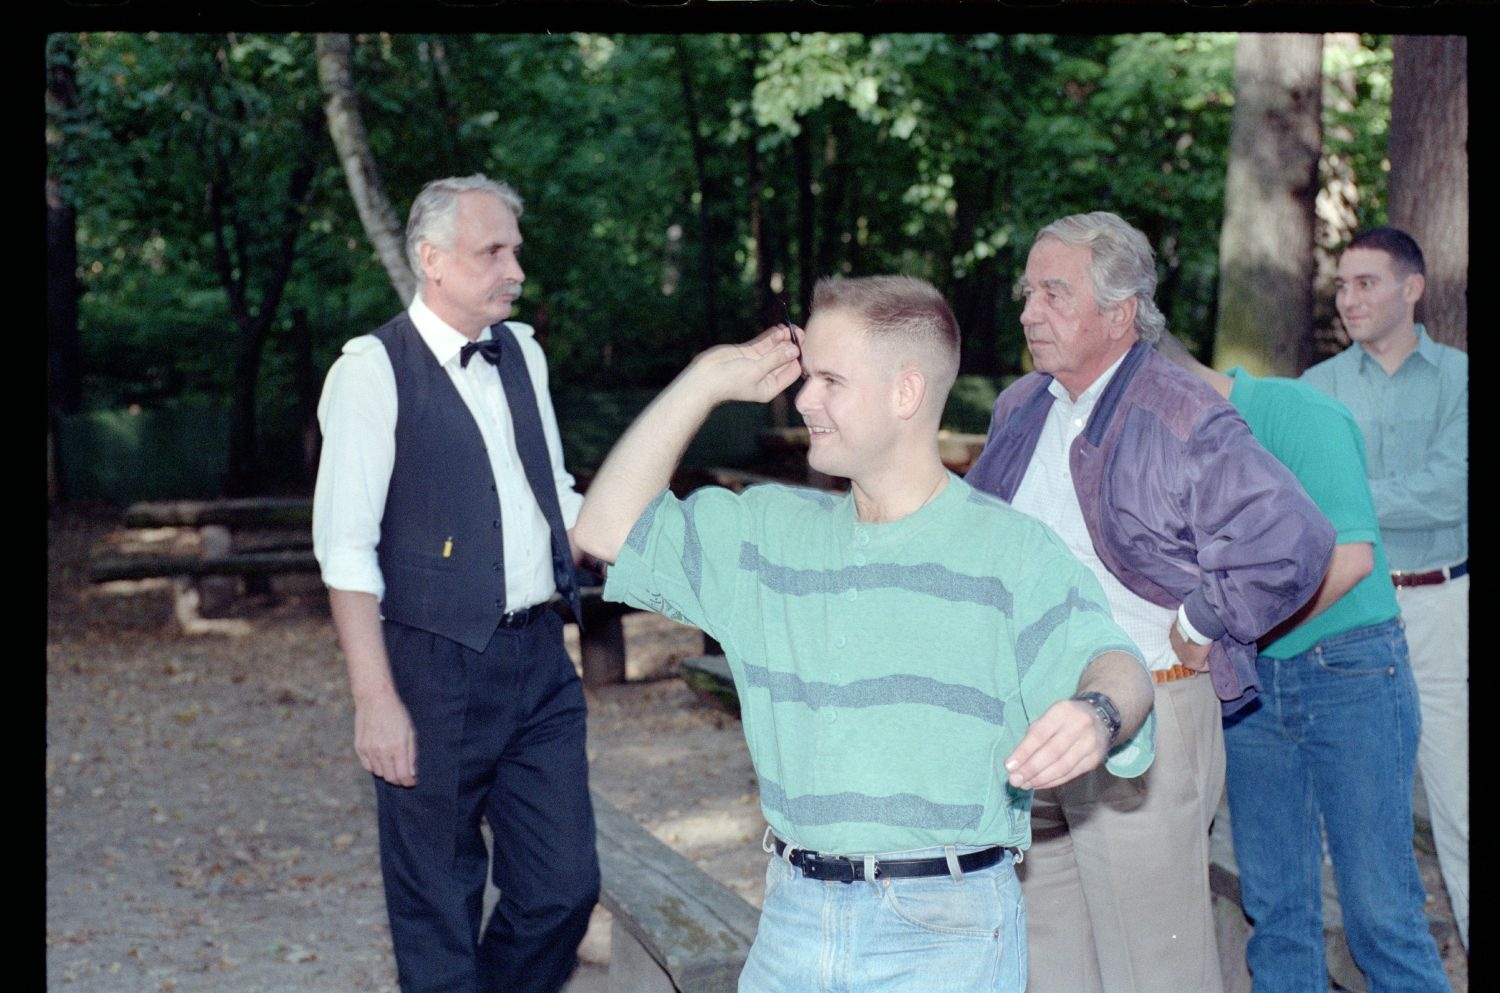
{"points": [[490, 349]]}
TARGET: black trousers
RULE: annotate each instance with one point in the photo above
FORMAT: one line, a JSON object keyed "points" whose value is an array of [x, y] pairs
{"points": [[500, 736]]}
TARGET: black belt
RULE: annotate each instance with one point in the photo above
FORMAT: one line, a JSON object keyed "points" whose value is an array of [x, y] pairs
{"points": [[523, 617], [843, 869], [1430, 578]]}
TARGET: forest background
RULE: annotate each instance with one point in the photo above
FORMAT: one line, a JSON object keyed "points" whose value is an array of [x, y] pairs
{"points": [[224, 210]]}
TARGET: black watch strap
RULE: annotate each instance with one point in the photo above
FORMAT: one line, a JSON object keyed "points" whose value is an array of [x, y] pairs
{"points": [[1107, 711]]}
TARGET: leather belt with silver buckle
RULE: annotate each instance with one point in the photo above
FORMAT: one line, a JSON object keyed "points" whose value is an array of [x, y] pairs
{"points": [[843, 869], [1431, 578]]}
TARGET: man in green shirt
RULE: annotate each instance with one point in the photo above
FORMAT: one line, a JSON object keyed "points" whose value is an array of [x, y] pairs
{"points": [[904, 653], [1330, 744]]}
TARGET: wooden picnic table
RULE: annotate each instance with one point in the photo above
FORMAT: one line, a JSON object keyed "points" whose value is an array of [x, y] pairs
{"points": [[261, 537]]}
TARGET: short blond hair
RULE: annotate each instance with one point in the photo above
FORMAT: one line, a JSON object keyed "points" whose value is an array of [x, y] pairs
{"points": [[900, 310]]}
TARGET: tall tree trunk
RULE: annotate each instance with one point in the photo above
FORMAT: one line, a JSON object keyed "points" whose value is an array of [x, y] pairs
{"points": [[449, 113], [1266, 248], [976, 294], [762, 293], [347, 128], [706, 246], [807, 215], [1339, 199], [836, 219], [760, 282], [64, 343], [243, 475], [1428, 145], [305, 384]]}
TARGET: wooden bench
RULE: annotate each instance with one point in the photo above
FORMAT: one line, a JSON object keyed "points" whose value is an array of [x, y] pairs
{"points": [[676, 929], [220, 553], [249, 540], [262, 537]]}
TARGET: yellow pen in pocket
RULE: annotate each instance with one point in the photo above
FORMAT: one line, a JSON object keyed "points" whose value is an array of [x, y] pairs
{"points": [[448, 548]]}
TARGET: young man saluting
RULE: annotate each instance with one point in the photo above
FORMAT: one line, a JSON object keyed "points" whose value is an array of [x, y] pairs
{"points": [[904, 653]]}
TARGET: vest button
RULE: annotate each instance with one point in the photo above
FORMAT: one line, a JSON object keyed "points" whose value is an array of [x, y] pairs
{"points": [[495, 524], [495, 566]]}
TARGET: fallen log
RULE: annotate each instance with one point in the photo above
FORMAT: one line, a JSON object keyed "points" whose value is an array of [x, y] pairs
{"points": [[146, 566], [248, 512]]}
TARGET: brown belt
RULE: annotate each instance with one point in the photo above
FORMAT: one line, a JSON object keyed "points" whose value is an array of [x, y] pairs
{"points": [[1430, 578], [1178, 671]]}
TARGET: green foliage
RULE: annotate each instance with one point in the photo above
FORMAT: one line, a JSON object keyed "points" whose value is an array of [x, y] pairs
{"points": [[1356, 119], [971, 403], [162, 118], [132, 454], [1165, 105], [933, 154]]}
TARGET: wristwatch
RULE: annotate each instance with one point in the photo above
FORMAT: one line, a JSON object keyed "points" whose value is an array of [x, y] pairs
{"points": [[1107, 711]]}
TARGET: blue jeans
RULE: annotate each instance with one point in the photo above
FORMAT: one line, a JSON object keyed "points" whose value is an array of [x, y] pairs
{"points": [[925, 935], [1331, 742]]}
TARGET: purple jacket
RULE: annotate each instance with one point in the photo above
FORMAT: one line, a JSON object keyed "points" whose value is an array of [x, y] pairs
{"points": [[1182, 504]]}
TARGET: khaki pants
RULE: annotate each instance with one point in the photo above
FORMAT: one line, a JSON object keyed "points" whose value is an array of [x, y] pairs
{"points": [[1116, 880], [1437, 633]]}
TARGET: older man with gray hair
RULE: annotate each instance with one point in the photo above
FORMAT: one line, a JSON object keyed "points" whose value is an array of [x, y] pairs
{"points": [[440, 521], [1202, 541]]}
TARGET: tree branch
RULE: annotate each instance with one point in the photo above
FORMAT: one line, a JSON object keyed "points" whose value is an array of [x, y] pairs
{"points": [[347, 129]]}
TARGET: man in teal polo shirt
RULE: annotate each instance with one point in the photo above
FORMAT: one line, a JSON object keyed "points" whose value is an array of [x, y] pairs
{"points": [[912, 658], [1330, 744], [1410, 397]]}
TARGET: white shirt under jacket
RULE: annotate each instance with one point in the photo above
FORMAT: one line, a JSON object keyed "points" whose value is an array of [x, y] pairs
{"points": [[1047, 493]]}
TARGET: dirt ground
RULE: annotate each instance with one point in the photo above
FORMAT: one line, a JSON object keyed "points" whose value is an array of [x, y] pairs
{"points": [[209, 830]]}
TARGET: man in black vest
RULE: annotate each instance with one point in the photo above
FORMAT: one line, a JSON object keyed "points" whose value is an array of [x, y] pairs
{"points": [[441, 524]]}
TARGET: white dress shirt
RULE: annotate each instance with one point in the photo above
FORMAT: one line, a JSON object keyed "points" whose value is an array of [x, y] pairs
{"points": [[357, 413], [1047, 493]]}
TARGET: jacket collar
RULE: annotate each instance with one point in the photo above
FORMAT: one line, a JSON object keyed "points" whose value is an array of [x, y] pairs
{"points": [[1104, 410]]}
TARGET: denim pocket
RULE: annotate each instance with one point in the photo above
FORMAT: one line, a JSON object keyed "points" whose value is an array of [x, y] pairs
{"points": [[777, 872], [978, 906], [1370, 652]]}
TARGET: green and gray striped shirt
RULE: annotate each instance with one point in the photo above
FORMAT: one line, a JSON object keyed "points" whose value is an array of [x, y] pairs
{"points": [[884, 671]]}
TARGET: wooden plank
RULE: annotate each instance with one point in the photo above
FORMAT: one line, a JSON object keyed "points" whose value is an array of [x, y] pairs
{"points": [[111, 567], [601, 646], [247, 512], [216, 594], [696, 928], [601, 641], [631, 967]]}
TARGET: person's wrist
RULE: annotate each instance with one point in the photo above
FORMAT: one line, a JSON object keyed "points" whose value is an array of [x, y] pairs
{"points": [[1186, 631], [694, 393], [1105, 710]]}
